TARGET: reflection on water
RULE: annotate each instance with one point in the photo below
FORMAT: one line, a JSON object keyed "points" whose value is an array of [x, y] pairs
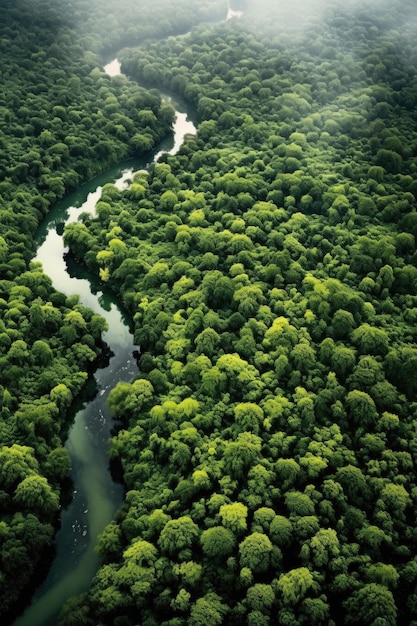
{"points": [[96, 497]]}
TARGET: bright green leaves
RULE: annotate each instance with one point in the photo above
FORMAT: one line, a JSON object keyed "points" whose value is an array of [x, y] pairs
{"points": [[141, 553], [274, 308], [370, 340], [371, 604], [255, 552], [242, 454], [249, 417], [16, 463], [130, 398], [34, 493], [207, 610], [234, 516], [294, 585], [217, 542], [178, 536]]}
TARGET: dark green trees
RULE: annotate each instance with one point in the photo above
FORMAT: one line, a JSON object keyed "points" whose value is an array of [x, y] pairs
{"points": [[268, 445]]}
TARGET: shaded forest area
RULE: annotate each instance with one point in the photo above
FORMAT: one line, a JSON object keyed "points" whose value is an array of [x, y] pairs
{"points": [[269, 446], [62, 121]]}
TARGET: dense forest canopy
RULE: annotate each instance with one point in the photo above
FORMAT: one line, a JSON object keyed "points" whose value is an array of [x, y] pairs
{"points": [[269, 446]]}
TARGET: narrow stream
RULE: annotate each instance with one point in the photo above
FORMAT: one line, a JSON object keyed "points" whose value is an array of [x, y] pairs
{"points": [[96, 497]]}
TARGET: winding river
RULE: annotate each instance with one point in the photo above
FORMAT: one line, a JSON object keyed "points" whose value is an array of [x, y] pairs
{"points": [[96, 497]]}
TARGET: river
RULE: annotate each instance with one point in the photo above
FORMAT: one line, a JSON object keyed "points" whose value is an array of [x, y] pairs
{"points": [[96, 497]]}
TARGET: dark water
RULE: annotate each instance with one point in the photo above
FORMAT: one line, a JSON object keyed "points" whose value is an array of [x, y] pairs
{"points": [[96, 497]]}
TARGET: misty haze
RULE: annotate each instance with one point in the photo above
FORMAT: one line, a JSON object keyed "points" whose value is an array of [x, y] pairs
{"points": [[208, 307]]}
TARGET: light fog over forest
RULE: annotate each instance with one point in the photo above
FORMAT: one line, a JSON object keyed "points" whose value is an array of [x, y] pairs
{"points": [[267, 445]]}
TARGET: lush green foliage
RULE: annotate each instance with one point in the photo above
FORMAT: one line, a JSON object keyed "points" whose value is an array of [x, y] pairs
{"points": [[107, 26], [63, 120], [269, 447]]}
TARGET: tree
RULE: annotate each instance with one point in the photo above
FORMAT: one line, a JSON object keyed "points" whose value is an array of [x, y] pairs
{"points": [[214, 381], [281, 531], [234, 516], [61, 395], [281, 333], [248, 416], [370, 603], [142, 553], [367, 373], [34, 493], [128, 398], [18, 352], [217, 542], [287, 471], [370, 340], [76, 612], [182, 601], [373, 538], [207, 342], [353, 482], [142, 142], [361, 408], [262, 518], [16, 463], [342, 324], [223, 291], [389, 159], [324, 546], [299, 503], [178, 535], [57, 464], [109, 542], [382, 574], [249, 299], [294, 585], [207, 611], [189, 572], [313, 465], [255, 552], [260, 597], [396, 499], [41, 352], [242, 454]]}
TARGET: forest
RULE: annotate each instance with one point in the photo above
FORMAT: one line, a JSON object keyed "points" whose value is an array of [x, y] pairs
{"points": [[268, 447]]}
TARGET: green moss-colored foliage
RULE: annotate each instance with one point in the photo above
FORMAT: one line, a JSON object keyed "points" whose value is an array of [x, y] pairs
{"points": [[268, 446], [63, 121], [269, 271]]}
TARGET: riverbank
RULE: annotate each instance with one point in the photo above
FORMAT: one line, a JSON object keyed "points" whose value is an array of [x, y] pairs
{"points": [[95, 496]]}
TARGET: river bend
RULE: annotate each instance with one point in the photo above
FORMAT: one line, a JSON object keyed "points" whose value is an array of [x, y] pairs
{"points": [[95, 497]]}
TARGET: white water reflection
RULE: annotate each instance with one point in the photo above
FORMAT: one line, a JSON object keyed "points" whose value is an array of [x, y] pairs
{"points": [[95, 496], [183, 125]]}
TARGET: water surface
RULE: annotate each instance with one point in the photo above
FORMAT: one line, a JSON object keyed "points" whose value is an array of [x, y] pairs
{"points": [[96, 497]]}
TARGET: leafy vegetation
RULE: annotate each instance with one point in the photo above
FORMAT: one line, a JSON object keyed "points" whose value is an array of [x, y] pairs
{"points": [[63, 120], [268, 447]]}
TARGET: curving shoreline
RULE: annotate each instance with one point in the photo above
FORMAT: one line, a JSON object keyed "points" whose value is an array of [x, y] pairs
{"points": [[96, 497]]}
